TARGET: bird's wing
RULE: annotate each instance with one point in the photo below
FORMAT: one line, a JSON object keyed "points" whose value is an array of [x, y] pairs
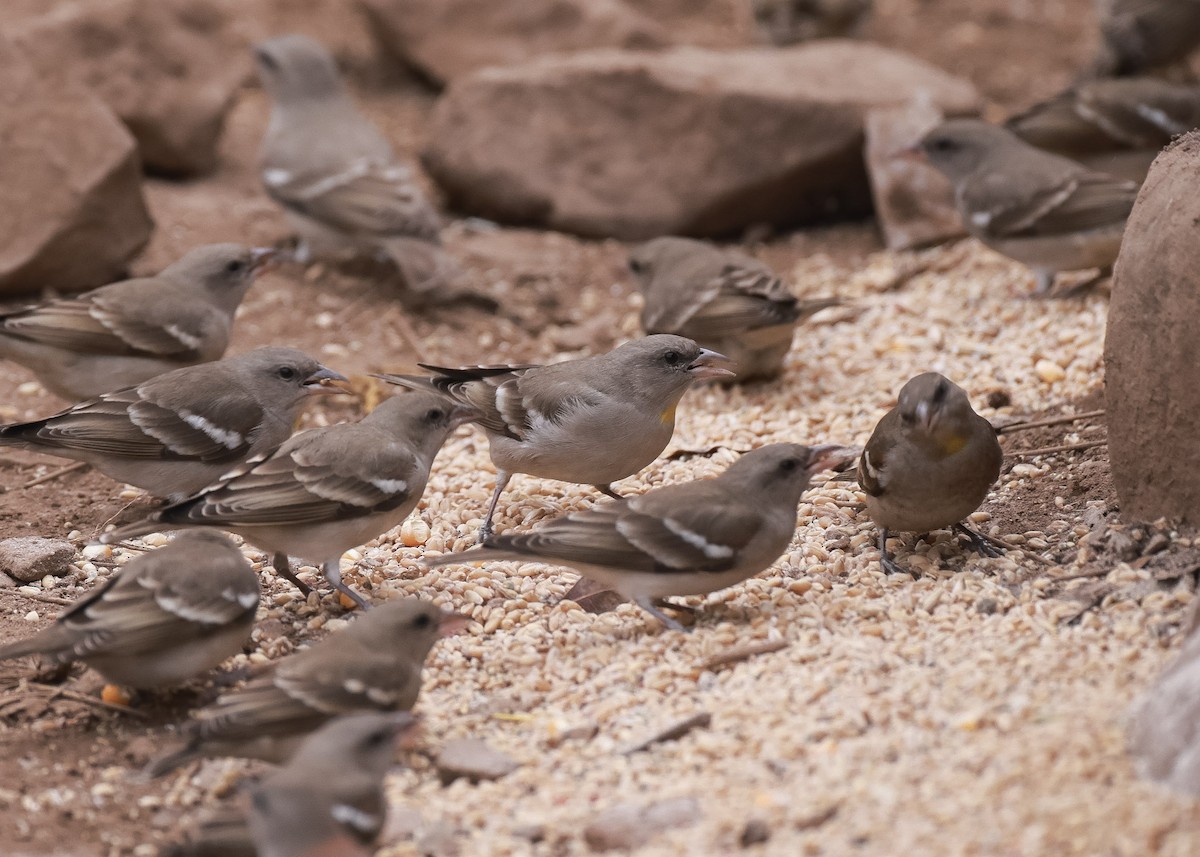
{"points": [[873, 463], [1074, 203]]}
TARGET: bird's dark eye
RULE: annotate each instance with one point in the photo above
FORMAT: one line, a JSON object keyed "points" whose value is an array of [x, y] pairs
{"points": [[267, 60], [942, 144], [907, 418], [435, 415], [287, 373], [636, 266], [789, 465], [672, 358], [235, 266], [423, 620], [940, 391], [377, 739]]}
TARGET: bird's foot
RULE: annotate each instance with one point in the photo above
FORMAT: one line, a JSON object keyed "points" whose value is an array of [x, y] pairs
{"points": [[283, 568], [890, 566], [647, 604], [607, 491], [986, 546]]}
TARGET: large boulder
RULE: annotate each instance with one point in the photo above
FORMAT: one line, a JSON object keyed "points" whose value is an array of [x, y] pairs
{"points": [[445, 39], [1151, 348], [685, 141], [169, 68], [71, 206]]}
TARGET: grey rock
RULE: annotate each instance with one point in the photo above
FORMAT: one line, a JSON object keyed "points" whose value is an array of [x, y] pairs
{"points": [[30, 558]]}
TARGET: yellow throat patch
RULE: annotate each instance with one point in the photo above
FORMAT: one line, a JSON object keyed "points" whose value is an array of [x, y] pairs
{"points": [[668, 416]]}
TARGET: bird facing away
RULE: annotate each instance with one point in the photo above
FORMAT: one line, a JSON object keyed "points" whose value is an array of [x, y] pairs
{"points": [[372, 665], [725, 300], [330, 792], [1043, 210], [1138, 35], [125, 333], [325, 490], [336, 176], [1117, 126], [929, 464], [686, 539], [593, 420], [162, 619], [179, 432]]}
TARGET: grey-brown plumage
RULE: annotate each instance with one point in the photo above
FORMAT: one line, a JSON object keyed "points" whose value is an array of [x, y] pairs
{"points": [[1046, 211], [929, 464], [336, 176], [686, 539], [1140, 35], [162, 619], [325, 490], [181, 431], [125, 333], [593, 420], [788, 22], [1116, 126], [329, 795], [723, 299], [374, 665]]}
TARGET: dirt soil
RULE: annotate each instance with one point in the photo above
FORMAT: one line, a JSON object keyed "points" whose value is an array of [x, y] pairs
{"points": [[1077, 573]]}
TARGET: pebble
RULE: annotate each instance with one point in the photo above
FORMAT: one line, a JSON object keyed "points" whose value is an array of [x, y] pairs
{"points": [[634, 823], [30, 558], [474, 759]]}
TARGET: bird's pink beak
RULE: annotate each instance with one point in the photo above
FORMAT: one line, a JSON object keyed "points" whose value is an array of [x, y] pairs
{"points": [[450, 623], [262, 259], [830, 456], [708, 365], [463, 414], [326, 381], [914, 154]]}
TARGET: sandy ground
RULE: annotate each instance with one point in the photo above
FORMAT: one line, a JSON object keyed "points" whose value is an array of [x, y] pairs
{"points": [[975, 710]]}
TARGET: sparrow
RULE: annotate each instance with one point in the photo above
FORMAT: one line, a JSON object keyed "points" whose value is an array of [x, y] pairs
{"points": [[592, 420], [163, 618], [179, 432], [1043, 210], [788, 22], [687, 539], [1163, 739], [1137, 35], [336, 176], [325, 490], [330, 792], [1116, 126], [723, 299], [929, 464], [125, 333], [372, 665]]}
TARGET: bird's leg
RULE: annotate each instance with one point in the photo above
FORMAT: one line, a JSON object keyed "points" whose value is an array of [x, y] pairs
{"points": [[1080, 289], [502, 477], [981, 543], [676, 606], [607, 491], [647, 604], [283, 568], [1044, 282], [885, 558], [333, 573]]}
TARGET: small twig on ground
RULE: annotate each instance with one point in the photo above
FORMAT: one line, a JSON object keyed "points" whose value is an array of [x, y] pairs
{"points": [[1049, 421], [48, 599], [54, 474], [744, 652], [76, 696], [1066, 447]]}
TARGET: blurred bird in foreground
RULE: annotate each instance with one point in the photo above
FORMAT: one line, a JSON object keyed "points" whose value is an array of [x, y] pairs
{"points": [[125, 333], [181, 431], [929, 464], [326, 490], [687, 539], [372, 665], [788, 22], [1116, 126], [337, 177], [1043, 210], [1141, 35], [593, 420], [327, 801], [161, 619], [723, 299]]}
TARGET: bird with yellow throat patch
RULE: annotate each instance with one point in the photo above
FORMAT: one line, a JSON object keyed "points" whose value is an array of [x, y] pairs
{"points": [[929, 464]]}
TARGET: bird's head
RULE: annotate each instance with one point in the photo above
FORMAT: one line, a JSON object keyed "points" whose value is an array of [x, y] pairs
{"points": [[295, 68], [959, 147], [935, 411]]}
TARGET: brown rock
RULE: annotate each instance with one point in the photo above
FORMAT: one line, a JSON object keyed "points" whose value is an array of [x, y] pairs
{"points": [[30, 558], [445, 39], [71, 206], [686, 141], [634, 823], [474, 759], [914, 203], [169, 69], [1151, 327]]}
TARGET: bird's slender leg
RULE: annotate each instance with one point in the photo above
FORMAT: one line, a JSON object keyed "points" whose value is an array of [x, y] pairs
{"points": [[676, 606], [647, 604], [981, 543], [283, 568], [607, 491], [333, 573], [1080, 289], [885, 557], [502, 477], [1044, 282]]}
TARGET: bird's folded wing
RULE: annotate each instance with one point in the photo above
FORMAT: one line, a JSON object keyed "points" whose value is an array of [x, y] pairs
{"points": [[480, 387], [349, 677], [1077, 203], [872, 464], [254, 711], [74, 325], [702, 530], [362, 197]]}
